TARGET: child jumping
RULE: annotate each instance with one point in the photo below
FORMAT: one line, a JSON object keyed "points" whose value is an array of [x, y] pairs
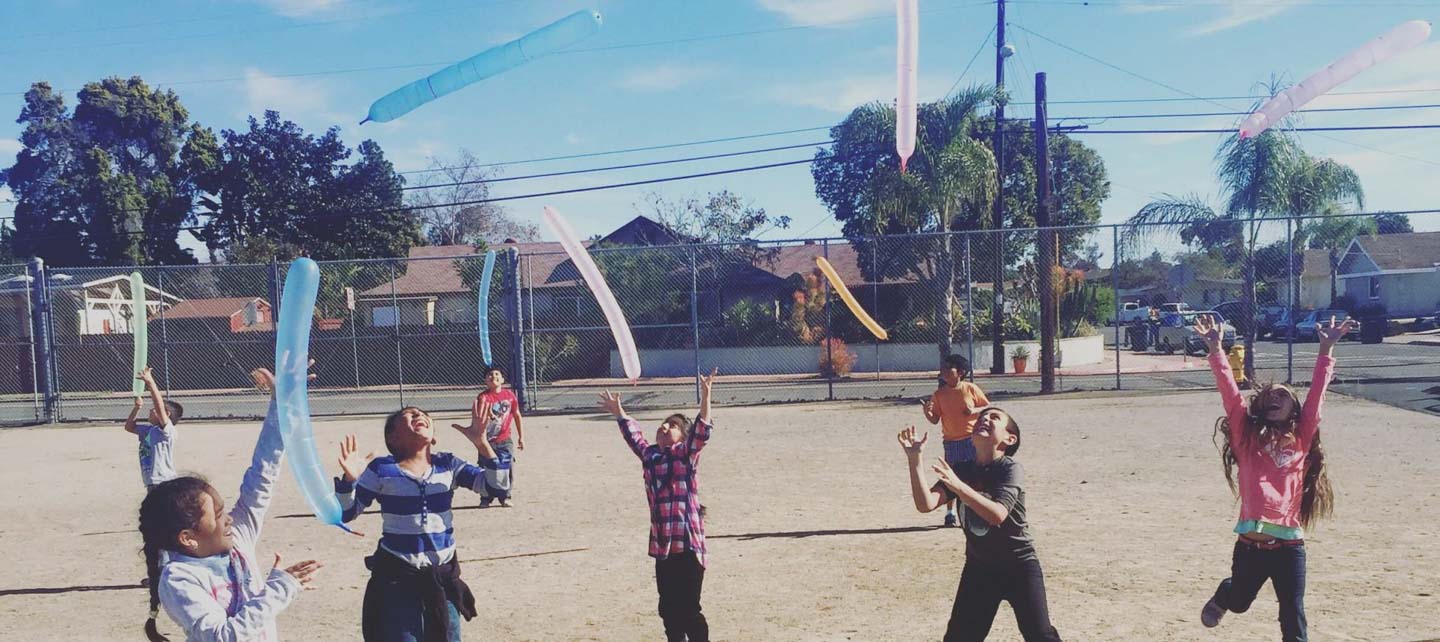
{"points": [[415, 591], [677, 527], [500, 411], [157, 438], [208, 580], [1274, 443], [955, 406], [1000, 560]]}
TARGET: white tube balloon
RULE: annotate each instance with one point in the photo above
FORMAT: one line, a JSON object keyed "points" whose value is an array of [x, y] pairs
{"points": [[907, 52], [624, 341], [1395, 41]]}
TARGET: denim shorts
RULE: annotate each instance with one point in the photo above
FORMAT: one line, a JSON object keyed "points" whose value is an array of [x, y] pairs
{"points": [[959, 451]]}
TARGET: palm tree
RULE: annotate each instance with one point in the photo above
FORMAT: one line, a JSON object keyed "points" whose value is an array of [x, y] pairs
{"points": [[1265, 177]]}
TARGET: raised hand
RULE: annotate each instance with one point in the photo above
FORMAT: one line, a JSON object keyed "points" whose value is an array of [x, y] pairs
{"points": [[708, 381], [1330, 335], [478, 414], [1209, 330], [139, 402], [946, 474], [928, 405], [146, 375], [351, 462], [910, 444], [610, 402], [303, 572]]}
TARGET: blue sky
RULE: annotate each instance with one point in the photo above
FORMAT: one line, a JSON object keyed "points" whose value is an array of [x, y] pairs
{"points": [[811, 62]]}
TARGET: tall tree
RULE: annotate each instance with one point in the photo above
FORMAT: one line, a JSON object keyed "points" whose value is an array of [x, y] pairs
{"points": [[113, 182], [1392, 223], [451, 209], [281, 193], [1265, 177]]}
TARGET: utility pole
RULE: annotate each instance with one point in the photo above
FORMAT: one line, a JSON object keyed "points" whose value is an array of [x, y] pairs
{"points": [[1048, 250], [997, 309]]}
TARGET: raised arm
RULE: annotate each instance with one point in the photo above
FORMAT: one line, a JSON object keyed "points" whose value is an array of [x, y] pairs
{"points": [[700, 432], [992, 511], [926, 498], [155, 397], [130, 426], [258, 484], [1324, 371], [1213, 335], [475, 432], [356, 488], [196, 610], [629, 429]]}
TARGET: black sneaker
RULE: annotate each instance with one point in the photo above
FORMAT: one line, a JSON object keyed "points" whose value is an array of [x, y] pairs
{"points": [[950, 519], [486, 501], [1211, 614]]}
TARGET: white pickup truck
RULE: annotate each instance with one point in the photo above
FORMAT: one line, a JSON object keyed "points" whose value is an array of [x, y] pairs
{"points": [[1132, 311]]}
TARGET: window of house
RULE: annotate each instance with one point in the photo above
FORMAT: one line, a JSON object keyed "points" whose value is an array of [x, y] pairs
{"points": [[1374, 287]]}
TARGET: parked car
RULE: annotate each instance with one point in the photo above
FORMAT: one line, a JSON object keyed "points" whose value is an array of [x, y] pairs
{"points": [[1235, 311], [1175, 308], [1177, 333], [1305, 329], [1132, 311]]}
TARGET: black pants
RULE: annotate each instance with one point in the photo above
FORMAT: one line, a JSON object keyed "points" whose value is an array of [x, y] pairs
{"points": [[982, 588], [1285, 568], [679, 578]]}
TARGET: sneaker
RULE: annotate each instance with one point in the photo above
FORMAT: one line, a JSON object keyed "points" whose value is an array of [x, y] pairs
{"points": [[950, 519], [505, 503], [1211, 614], [486, 501]]}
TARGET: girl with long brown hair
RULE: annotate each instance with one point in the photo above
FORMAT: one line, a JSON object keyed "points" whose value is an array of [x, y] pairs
{"points": [[1270, 450]]}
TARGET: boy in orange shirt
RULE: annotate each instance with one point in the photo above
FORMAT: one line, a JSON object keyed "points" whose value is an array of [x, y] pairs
{"points": [[955, 405]]}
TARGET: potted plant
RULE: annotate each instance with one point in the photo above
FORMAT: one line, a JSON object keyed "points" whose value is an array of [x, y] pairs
{"points": [[1019, 357]]}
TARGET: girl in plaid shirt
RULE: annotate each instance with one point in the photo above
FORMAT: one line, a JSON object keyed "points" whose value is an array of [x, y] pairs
{"points": [[677, 527]]}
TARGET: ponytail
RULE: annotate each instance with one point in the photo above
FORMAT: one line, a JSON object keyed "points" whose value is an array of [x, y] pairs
{"points": [[168, 508]]}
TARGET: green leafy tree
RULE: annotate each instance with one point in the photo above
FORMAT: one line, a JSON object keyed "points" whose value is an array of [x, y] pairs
{"points": [[282, 193], [1392, 223], [114, 181]]}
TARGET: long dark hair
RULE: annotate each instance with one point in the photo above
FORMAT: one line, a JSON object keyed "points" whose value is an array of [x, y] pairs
{"points": [[168, 508], [1317, 499]]}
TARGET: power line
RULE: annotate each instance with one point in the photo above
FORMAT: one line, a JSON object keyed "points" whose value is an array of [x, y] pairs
{"points": [[1225, 3], [1243, 113], [1232, 130], [966, 70]]}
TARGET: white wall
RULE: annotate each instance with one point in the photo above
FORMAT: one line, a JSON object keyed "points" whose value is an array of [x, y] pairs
{"points": [[891, 357]]}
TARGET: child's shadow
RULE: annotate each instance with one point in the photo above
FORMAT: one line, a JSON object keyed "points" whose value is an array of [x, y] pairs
{"points": [[803, 534]]}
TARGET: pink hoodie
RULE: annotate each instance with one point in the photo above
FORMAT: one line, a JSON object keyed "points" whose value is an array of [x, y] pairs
{"points": [[1271, 476]]}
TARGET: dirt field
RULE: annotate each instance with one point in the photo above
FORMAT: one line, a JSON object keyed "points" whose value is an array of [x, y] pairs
{"points": [[813, 536]]}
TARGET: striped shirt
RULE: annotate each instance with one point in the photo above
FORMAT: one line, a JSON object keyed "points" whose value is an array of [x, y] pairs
{"points": [[671, 489], [415, 510]]}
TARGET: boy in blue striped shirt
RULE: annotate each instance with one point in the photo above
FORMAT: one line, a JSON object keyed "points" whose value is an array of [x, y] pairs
{"points": [[415, 590]]}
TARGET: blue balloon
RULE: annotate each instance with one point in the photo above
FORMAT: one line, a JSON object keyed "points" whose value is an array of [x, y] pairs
{"points": [[292, 401], [542, 42], [484, 307]]}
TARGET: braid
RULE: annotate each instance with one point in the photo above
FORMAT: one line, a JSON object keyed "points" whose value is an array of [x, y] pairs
{"points": [[167, 509]]}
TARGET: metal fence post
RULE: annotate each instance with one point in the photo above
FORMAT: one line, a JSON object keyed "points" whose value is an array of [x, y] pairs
{"points": [[30, 338], [44, 346], [969, 311], [1290, 295], [1115, 288], [514, 308], [164, 336], [529, 301], [829, 345], [695, 318], [395, 332]]}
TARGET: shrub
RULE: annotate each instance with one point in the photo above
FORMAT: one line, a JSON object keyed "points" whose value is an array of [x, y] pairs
{"points": [[836, 360]]}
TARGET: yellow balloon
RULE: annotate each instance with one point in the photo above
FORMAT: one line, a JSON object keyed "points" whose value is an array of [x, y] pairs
{"points": [[849, 299]]}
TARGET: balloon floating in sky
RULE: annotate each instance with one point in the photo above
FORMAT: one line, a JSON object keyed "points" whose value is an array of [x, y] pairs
{"points": [[292, 399], [624, 341], [483, 309], [1395, 41], [907, 51], [849, 299], [544, 41], [140, 331]]}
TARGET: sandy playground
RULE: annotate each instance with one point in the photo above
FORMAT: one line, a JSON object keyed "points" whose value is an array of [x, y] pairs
{"points": [[813, 536]]}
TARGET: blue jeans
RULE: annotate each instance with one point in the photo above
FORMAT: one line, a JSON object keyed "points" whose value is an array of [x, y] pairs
{"points": [[1285, 568], [402, 619]]}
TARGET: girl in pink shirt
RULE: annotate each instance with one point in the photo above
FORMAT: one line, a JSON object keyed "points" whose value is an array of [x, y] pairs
{"points": [[1273, 441]]}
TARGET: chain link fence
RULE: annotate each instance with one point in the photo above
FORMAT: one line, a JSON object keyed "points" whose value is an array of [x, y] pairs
{"points": [[400, 332]]}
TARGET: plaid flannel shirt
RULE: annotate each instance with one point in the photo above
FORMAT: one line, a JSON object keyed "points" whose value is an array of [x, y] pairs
{"points": [[671, 489]]}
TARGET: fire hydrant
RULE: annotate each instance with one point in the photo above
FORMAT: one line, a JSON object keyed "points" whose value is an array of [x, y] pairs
{"points": [[1237, 364]]}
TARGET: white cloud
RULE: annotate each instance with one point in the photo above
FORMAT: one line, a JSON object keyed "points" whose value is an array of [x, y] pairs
{"points": [[1147, 8], [1242, 13], [300, 8], [662, 77], [819, 12], [294, 98], [9, 147]]}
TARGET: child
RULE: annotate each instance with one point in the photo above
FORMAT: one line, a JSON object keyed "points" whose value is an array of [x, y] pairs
{"points": [[500, 409], [210, 583], [157, 438], [677, 527], [955, 405], [415, 591], [1274, 442], [1000, 561]]}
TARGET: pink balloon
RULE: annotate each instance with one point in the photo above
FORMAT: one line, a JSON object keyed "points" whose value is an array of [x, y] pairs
{"points": [[1395, 41], [907, 52], [619, 327]]}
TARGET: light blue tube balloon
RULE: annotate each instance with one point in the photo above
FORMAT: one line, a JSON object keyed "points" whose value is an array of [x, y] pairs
{"points": [[484, 307], [292, 401], [542, 42]]}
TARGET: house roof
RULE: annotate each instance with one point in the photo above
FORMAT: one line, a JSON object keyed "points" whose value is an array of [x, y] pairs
{"points": [[431, 268], [1410, 251], [219, 308], [1316, 263]]}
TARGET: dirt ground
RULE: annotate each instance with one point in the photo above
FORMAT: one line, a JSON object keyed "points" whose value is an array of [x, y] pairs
{"points": [[812, 532]]}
